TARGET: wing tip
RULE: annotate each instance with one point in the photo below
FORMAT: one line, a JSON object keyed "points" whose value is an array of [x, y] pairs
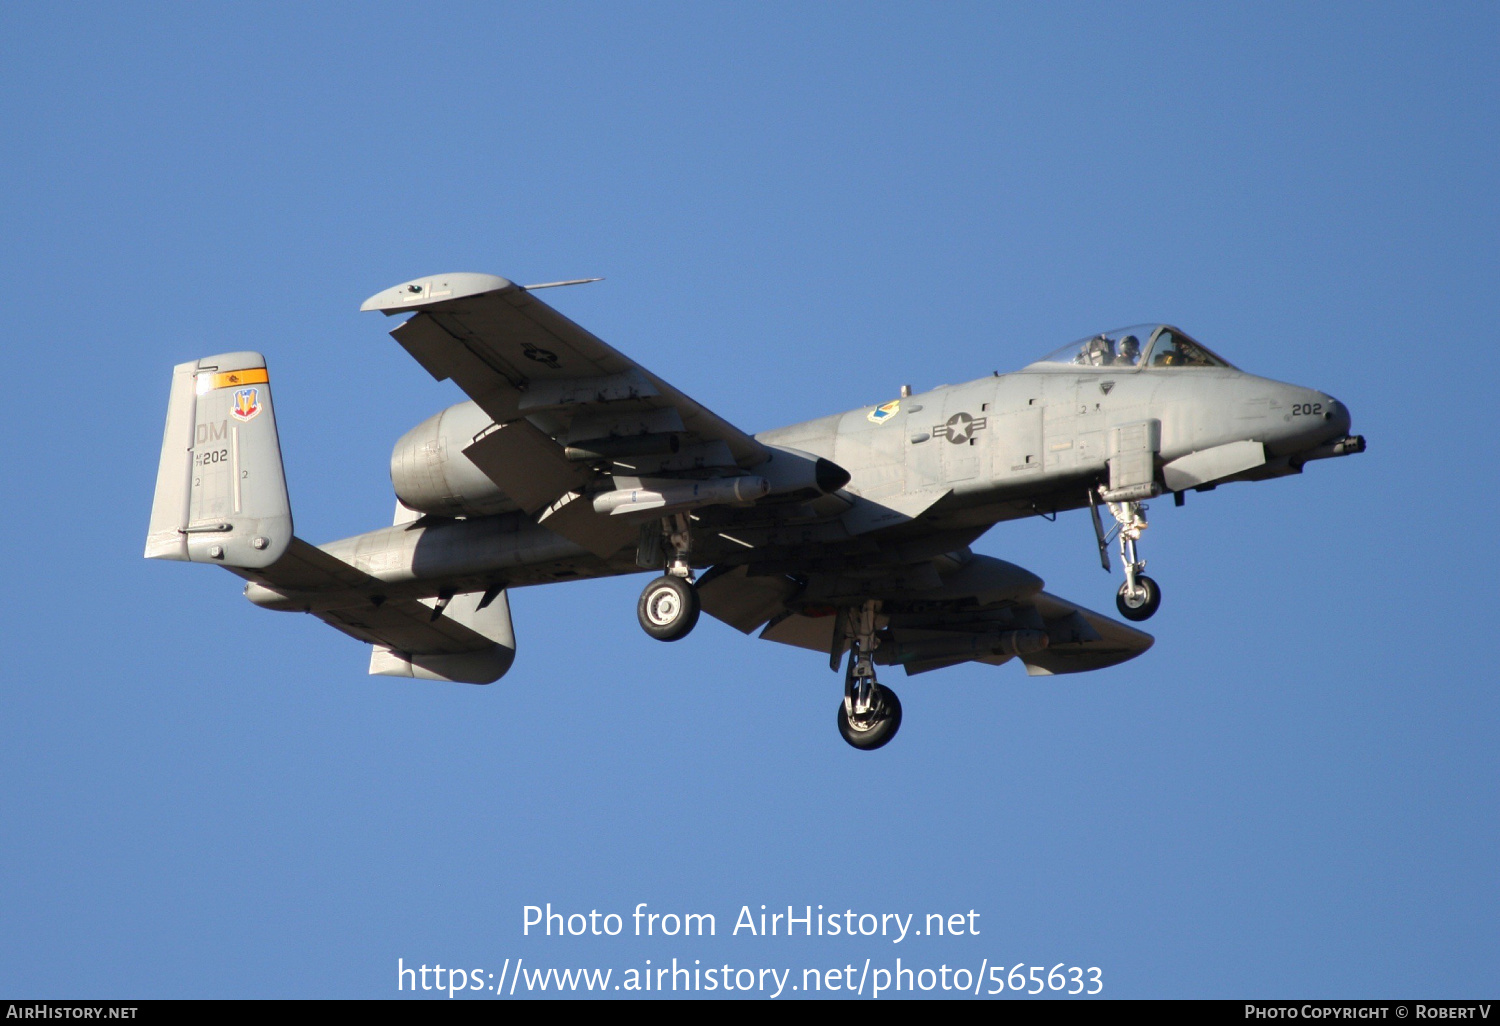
{"points": [[438, 288]]}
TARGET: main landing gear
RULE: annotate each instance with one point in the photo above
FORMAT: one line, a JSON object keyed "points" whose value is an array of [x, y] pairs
{"points": [[1139, 597], [669, 606], [869, 715]]}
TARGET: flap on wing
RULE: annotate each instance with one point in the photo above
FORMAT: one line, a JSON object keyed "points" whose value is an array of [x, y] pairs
{"points": [[927, 665], [573, 516], [813, 632], [745, 602], [526, 464]]}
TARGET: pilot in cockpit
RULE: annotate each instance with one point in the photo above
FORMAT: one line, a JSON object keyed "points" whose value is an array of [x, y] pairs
{"points": [[1129, 351], [1099, 351]]}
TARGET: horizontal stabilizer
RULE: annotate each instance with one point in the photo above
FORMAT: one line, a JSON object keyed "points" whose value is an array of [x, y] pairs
{"points": [[484, 665], [466, 639]]}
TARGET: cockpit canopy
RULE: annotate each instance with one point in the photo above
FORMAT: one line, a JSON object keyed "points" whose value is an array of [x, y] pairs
{"points": [[1142, 345]]}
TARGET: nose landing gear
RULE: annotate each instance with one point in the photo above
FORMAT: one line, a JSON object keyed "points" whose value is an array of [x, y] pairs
{"points": [[1140, 596], [1141, 602], [669, 606], [870, 714]]}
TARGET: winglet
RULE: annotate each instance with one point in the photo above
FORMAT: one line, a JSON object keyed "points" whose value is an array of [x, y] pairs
{"points": [[413, 295]]}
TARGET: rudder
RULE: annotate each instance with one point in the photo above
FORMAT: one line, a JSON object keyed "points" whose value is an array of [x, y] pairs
{"points": [[220, 489]]}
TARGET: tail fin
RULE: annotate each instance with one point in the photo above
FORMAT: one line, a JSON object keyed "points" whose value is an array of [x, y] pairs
{"points": [[220, 489]]}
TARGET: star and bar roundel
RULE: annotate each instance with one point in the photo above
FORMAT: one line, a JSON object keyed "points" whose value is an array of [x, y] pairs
{"points": [[960, 428]]}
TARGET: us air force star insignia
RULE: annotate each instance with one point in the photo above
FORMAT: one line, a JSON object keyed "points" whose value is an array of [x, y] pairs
{"points": [[541, 355], [1105, 386], [960, 428]]}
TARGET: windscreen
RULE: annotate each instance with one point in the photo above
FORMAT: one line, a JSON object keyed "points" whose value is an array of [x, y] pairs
{"points": [[1142, 345]]}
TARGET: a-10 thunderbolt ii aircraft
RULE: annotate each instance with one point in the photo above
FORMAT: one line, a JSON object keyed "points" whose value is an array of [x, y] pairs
{"points": [[848, 534]]}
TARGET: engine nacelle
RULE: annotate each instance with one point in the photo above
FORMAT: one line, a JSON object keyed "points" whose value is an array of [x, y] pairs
{"points": [[432, 475]]}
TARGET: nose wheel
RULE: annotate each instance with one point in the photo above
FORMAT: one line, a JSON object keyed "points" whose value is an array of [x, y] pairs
{"points": [[1139, 603]]}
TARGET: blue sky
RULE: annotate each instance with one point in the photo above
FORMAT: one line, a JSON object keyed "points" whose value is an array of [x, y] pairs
{"points": [[797, 209]]}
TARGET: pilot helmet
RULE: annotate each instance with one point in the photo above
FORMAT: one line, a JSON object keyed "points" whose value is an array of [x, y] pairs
{"points": [[1130, 348]]}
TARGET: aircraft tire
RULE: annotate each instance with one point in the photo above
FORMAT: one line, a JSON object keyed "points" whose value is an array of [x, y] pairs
{"points": [[669, 608], [883, 730], [1141, 606]]}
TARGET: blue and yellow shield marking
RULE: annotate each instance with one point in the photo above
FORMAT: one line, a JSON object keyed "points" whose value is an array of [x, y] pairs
{"points": [[884, 412], [246, 404]]}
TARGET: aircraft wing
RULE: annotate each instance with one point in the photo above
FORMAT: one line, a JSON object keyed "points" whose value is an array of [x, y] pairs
{"points": [[984, 610], [554, 389], [516, 356]]}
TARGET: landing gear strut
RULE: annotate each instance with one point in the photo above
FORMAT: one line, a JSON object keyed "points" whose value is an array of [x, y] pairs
{"points": [[1139, 597], [669, 606], [869, 715]]}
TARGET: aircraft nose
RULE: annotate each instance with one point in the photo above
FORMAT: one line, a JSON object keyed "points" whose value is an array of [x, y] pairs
{"points": [[1311, 419], [1337, 415]]}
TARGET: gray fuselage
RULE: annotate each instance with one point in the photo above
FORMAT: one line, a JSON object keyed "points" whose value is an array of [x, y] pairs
{"points": [[1031, 442]]}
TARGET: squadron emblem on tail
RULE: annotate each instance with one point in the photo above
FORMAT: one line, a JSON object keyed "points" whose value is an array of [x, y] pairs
{"points": [[246, 404]]}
